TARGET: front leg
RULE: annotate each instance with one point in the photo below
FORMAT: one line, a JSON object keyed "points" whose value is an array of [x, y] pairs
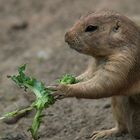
{"points": [[100, 86], [107, 81], [89, 73]]}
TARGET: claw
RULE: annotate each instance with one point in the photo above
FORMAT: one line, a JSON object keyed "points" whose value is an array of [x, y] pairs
{"points": [[58, 91], [57, 95], [94, 133], [105, 133], [53, 87], [98, 135]]}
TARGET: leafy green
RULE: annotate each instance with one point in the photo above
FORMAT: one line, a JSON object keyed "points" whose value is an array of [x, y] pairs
{"points": [[44, 96], [68, 79]]}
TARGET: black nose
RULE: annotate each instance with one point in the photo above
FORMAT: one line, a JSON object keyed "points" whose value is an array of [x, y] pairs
{"points": [[67, 37]]}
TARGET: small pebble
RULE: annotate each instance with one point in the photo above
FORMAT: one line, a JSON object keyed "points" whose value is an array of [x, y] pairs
{"points": [[107, 106], [21, 25]]}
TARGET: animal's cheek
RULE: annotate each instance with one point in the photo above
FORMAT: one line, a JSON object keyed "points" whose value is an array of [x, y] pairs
{"points": [[92, 43]]}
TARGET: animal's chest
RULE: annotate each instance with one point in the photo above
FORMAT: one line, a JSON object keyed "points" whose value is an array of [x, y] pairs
{"points": [[126, 103]]}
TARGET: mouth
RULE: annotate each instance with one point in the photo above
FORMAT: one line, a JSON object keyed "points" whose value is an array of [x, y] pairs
{"points": [[78, 49], [74, 43]]}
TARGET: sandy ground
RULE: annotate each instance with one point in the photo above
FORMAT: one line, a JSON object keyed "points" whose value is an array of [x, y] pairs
{"points": [[32, 32]]}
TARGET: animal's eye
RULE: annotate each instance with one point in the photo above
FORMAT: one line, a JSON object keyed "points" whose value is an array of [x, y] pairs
{"points": [[91, 28], [116, 28]]}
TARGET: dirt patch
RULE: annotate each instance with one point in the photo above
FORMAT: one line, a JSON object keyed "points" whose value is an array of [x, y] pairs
{"points": [[32, 32]]}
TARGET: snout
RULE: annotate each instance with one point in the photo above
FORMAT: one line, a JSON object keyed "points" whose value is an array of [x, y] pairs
{"points": [[70, 37]]}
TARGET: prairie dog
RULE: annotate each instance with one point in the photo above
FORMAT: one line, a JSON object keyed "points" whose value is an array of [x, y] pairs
{"points": [[113, 42]]}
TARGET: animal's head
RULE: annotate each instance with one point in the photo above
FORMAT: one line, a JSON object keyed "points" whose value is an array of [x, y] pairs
{"points": [[101, 33]]}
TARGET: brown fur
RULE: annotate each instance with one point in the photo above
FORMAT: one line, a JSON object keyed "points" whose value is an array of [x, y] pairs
{"points": [[115, 68]]}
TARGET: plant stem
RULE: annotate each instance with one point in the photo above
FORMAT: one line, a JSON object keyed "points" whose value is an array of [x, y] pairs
{"points": [[36, 123], [17, 112]]}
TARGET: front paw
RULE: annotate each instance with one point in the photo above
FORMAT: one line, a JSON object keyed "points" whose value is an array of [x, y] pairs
{"points": [[59, 91]]}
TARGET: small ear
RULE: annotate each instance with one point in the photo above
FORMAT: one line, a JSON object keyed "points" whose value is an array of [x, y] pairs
{"points": [[117, 26]]}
